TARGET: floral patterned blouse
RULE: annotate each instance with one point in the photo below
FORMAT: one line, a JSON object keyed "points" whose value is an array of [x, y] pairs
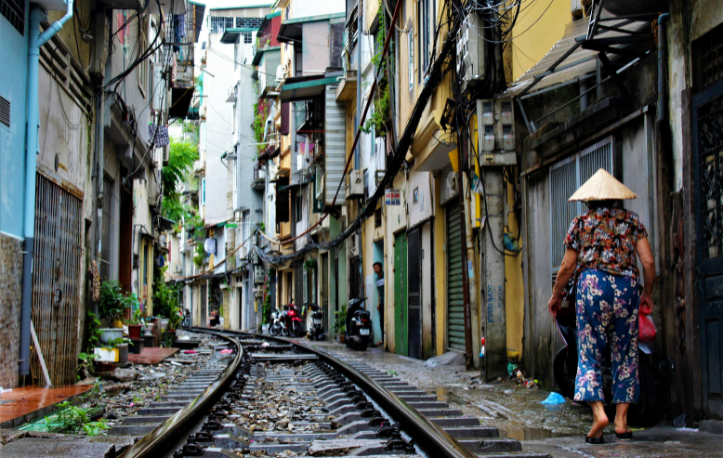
{"points": [[605, 239]]}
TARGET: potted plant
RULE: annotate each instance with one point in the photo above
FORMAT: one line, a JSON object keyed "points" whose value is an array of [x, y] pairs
{"points": [[135, 324], [121, 344], [174, 321], [113, 302], [340, 323]]}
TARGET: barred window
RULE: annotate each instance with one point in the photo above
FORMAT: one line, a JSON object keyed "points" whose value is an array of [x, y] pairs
{"points": [[221, 23], [247, 38], [14, 11], [248, 22]]}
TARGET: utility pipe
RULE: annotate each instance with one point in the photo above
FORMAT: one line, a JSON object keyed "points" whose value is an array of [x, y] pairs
{"points": [[37, 40]]}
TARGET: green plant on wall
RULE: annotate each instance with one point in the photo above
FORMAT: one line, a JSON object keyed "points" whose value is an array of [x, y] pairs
{"points": [[199, 256], [378, 121], [165, 297], [261, 112], [181, 158]]}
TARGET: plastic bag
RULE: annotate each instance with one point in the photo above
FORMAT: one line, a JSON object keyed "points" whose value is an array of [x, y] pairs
{"points": [[647, 329]]}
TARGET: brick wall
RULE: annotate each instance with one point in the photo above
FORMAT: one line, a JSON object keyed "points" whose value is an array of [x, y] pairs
{"points": [[11, 275]]}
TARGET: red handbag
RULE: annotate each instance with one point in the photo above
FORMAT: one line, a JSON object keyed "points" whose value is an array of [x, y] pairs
{"points": [[647, 331]]}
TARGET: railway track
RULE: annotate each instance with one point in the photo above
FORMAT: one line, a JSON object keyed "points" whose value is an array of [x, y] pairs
{"points": [[279, 399]]}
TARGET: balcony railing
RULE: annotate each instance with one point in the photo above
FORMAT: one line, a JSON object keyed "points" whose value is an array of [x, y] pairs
{"points": [[259, 178]]}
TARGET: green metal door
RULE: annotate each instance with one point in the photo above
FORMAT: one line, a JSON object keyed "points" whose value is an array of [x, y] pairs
{"points": [[401, 334], [455, 302]]}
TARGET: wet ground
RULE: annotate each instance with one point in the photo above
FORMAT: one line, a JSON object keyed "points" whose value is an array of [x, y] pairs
{"points": [[516, 411]]}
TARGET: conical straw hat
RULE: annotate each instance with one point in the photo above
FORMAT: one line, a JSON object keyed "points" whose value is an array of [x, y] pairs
{"points": [[602, 186]]}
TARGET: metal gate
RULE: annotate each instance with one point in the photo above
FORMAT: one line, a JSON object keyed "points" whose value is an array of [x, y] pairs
{"points": [[708, 154], [56, 281], [401, 283], [455, 299], [414, 312], [325, 289]]}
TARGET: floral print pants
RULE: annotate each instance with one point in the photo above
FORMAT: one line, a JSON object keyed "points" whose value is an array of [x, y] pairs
{"points": [[607, 314]]}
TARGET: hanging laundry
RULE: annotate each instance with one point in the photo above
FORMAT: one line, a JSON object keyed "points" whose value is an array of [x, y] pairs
{"points": [[161, 138], [209, 246]]}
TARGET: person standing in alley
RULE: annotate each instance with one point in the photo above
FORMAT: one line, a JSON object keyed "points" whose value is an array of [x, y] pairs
{"points": [[602, 247], [379, 270]]}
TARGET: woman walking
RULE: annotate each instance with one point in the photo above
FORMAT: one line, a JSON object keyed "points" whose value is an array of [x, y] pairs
{"points": [[602, 248]]}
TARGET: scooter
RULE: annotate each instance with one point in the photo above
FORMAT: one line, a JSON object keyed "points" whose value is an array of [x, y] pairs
{"points": [[564, 368], [291, 321], [358, 325], [317, 323], [276, 323]]}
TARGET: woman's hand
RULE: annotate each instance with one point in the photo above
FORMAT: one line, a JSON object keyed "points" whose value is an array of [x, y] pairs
{"points": [[646, 304], [554, 304]]}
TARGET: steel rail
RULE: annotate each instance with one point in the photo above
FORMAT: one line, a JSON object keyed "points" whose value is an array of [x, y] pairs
{"points": [[430, 437], [158, 442]]}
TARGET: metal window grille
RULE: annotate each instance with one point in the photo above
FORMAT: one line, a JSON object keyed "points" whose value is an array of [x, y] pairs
{"points": [[708, 58], [248, 22], [565, 178], [221, 23], [247, 38], [14, 11], [378, 217], [5, 111]]}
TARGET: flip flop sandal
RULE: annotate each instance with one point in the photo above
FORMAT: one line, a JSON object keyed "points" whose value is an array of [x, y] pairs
{"points": [[595, 440], [627, 435]]}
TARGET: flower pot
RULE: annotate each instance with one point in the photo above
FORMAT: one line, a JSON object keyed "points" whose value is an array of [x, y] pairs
{"points": [[134, 331], [163, 324], [342, 338], [137, 346], [108, 334], [172, 335], [122, 353], [149, 341], [148, 329]]}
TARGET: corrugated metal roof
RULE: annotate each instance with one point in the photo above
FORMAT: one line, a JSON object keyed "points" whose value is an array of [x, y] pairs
{"points": [[580, 62]]}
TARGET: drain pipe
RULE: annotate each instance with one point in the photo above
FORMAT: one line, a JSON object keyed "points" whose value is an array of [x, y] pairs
{"points": [[37, 40]]}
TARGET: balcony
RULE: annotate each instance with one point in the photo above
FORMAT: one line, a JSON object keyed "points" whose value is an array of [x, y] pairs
{"points": [[259, 182]]}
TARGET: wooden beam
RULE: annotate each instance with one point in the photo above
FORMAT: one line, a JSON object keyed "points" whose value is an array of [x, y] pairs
{"points": [[40, 354]]}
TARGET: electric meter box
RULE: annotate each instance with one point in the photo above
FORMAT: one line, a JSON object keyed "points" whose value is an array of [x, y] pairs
{"points": [[496, 130]]}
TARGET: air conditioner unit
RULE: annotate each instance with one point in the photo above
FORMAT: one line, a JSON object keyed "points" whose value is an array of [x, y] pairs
{"points": [[354, 245], [243, 252], [354, 184], [280, 73], [471, 50], [100, 42], [273, 172]]}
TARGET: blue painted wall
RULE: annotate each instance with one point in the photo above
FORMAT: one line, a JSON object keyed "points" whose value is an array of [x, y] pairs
{"points": [[14, 59]]}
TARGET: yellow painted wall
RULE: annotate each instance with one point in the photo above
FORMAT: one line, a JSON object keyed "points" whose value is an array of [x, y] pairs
{"points": [[539, 26], [440, 271], [515, 288]]}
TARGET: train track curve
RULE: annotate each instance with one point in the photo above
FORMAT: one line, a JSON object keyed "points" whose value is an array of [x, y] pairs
{"points": [[278, 399]]}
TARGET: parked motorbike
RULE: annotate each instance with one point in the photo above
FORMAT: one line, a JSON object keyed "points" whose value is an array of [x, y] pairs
{"points": [[358, 325], [645, 412], [317, 322], [291, 321], [276, 323]]}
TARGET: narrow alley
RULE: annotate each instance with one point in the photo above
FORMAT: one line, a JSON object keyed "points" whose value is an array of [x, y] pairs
{"points": [[394, 227]]}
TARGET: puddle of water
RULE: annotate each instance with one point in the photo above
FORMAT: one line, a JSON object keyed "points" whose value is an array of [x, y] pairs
{"points": [[445, 395], [529, 434]]}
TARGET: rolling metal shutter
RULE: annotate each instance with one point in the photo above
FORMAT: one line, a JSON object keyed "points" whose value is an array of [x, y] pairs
{"points": [[335, 127], [455, 301]]}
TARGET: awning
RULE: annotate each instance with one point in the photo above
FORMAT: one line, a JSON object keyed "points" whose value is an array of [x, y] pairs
{"points": [[295, 185], [180, 102], [198, 12], [293, 89], [568, 60], [260, 53], [290, 29], [230, 36], [178, 7]]}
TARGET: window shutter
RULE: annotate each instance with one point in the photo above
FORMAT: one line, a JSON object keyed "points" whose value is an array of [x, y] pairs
{"points": [[282, 200], [284, 119]]}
